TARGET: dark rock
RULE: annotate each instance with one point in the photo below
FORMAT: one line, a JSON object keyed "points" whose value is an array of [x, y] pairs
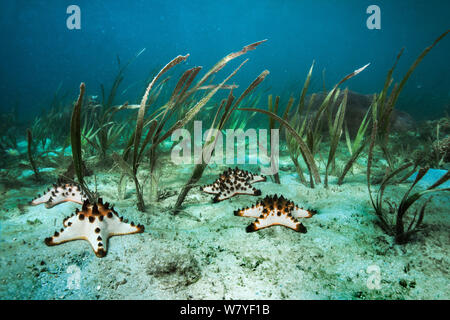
{"points": [[69, 175], [357, 106]]}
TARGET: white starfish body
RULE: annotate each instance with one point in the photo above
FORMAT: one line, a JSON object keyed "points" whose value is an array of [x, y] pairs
{"points": [[277, 218], [256, 178], [302, 213], [213, 188], [275, 211], [95, 223], [254, 211], [59, 194], [233, 182], [234, 186]]}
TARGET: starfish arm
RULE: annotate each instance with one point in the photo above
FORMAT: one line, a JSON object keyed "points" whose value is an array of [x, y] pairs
{"points": [[232, 188], [117, 226], [253, 212], [248, 176], [41, 199], [257, 178], [301, 213], [274, 210], [76, 231], [211, 188], [277, 218], [95, 223], [232, 182], [90, 228], [98, 235], [59, 194], [68, 221]]}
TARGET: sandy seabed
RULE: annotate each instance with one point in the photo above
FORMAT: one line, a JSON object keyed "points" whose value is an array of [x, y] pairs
{"points": [[205, 253]]}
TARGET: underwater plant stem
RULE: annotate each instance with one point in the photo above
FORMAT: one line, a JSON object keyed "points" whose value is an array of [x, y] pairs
{"points": [[397, 228], [75, 135], [276, 176], [211, 140], [373, 136], [30, 156], [139, 148], [196, 175], [306, 153], [350, 162], [336, 132], [273, 109], [143, 105], [196, 108], [299, 171], [198, 170], [75, 141], [140, 197], [415, 64], [386, 107]]}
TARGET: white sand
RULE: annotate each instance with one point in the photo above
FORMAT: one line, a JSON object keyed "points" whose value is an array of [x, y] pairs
{"points": [[205, 253]]}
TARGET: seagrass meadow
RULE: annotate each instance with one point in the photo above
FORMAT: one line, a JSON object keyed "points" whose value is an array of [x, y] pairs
{"points": [[256, 150]]}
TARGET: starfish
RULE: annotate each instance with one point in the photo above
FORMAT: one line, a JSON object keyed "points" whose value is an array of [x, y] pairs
{"points": [[233, 182], [274, 210], [60, 193], [95, 223]]}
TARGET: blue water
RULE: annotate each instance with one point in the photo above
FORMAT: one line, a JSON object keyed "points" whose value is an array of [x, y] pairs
{"points": [[204, 240], [39, 53], [432, 176]]}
